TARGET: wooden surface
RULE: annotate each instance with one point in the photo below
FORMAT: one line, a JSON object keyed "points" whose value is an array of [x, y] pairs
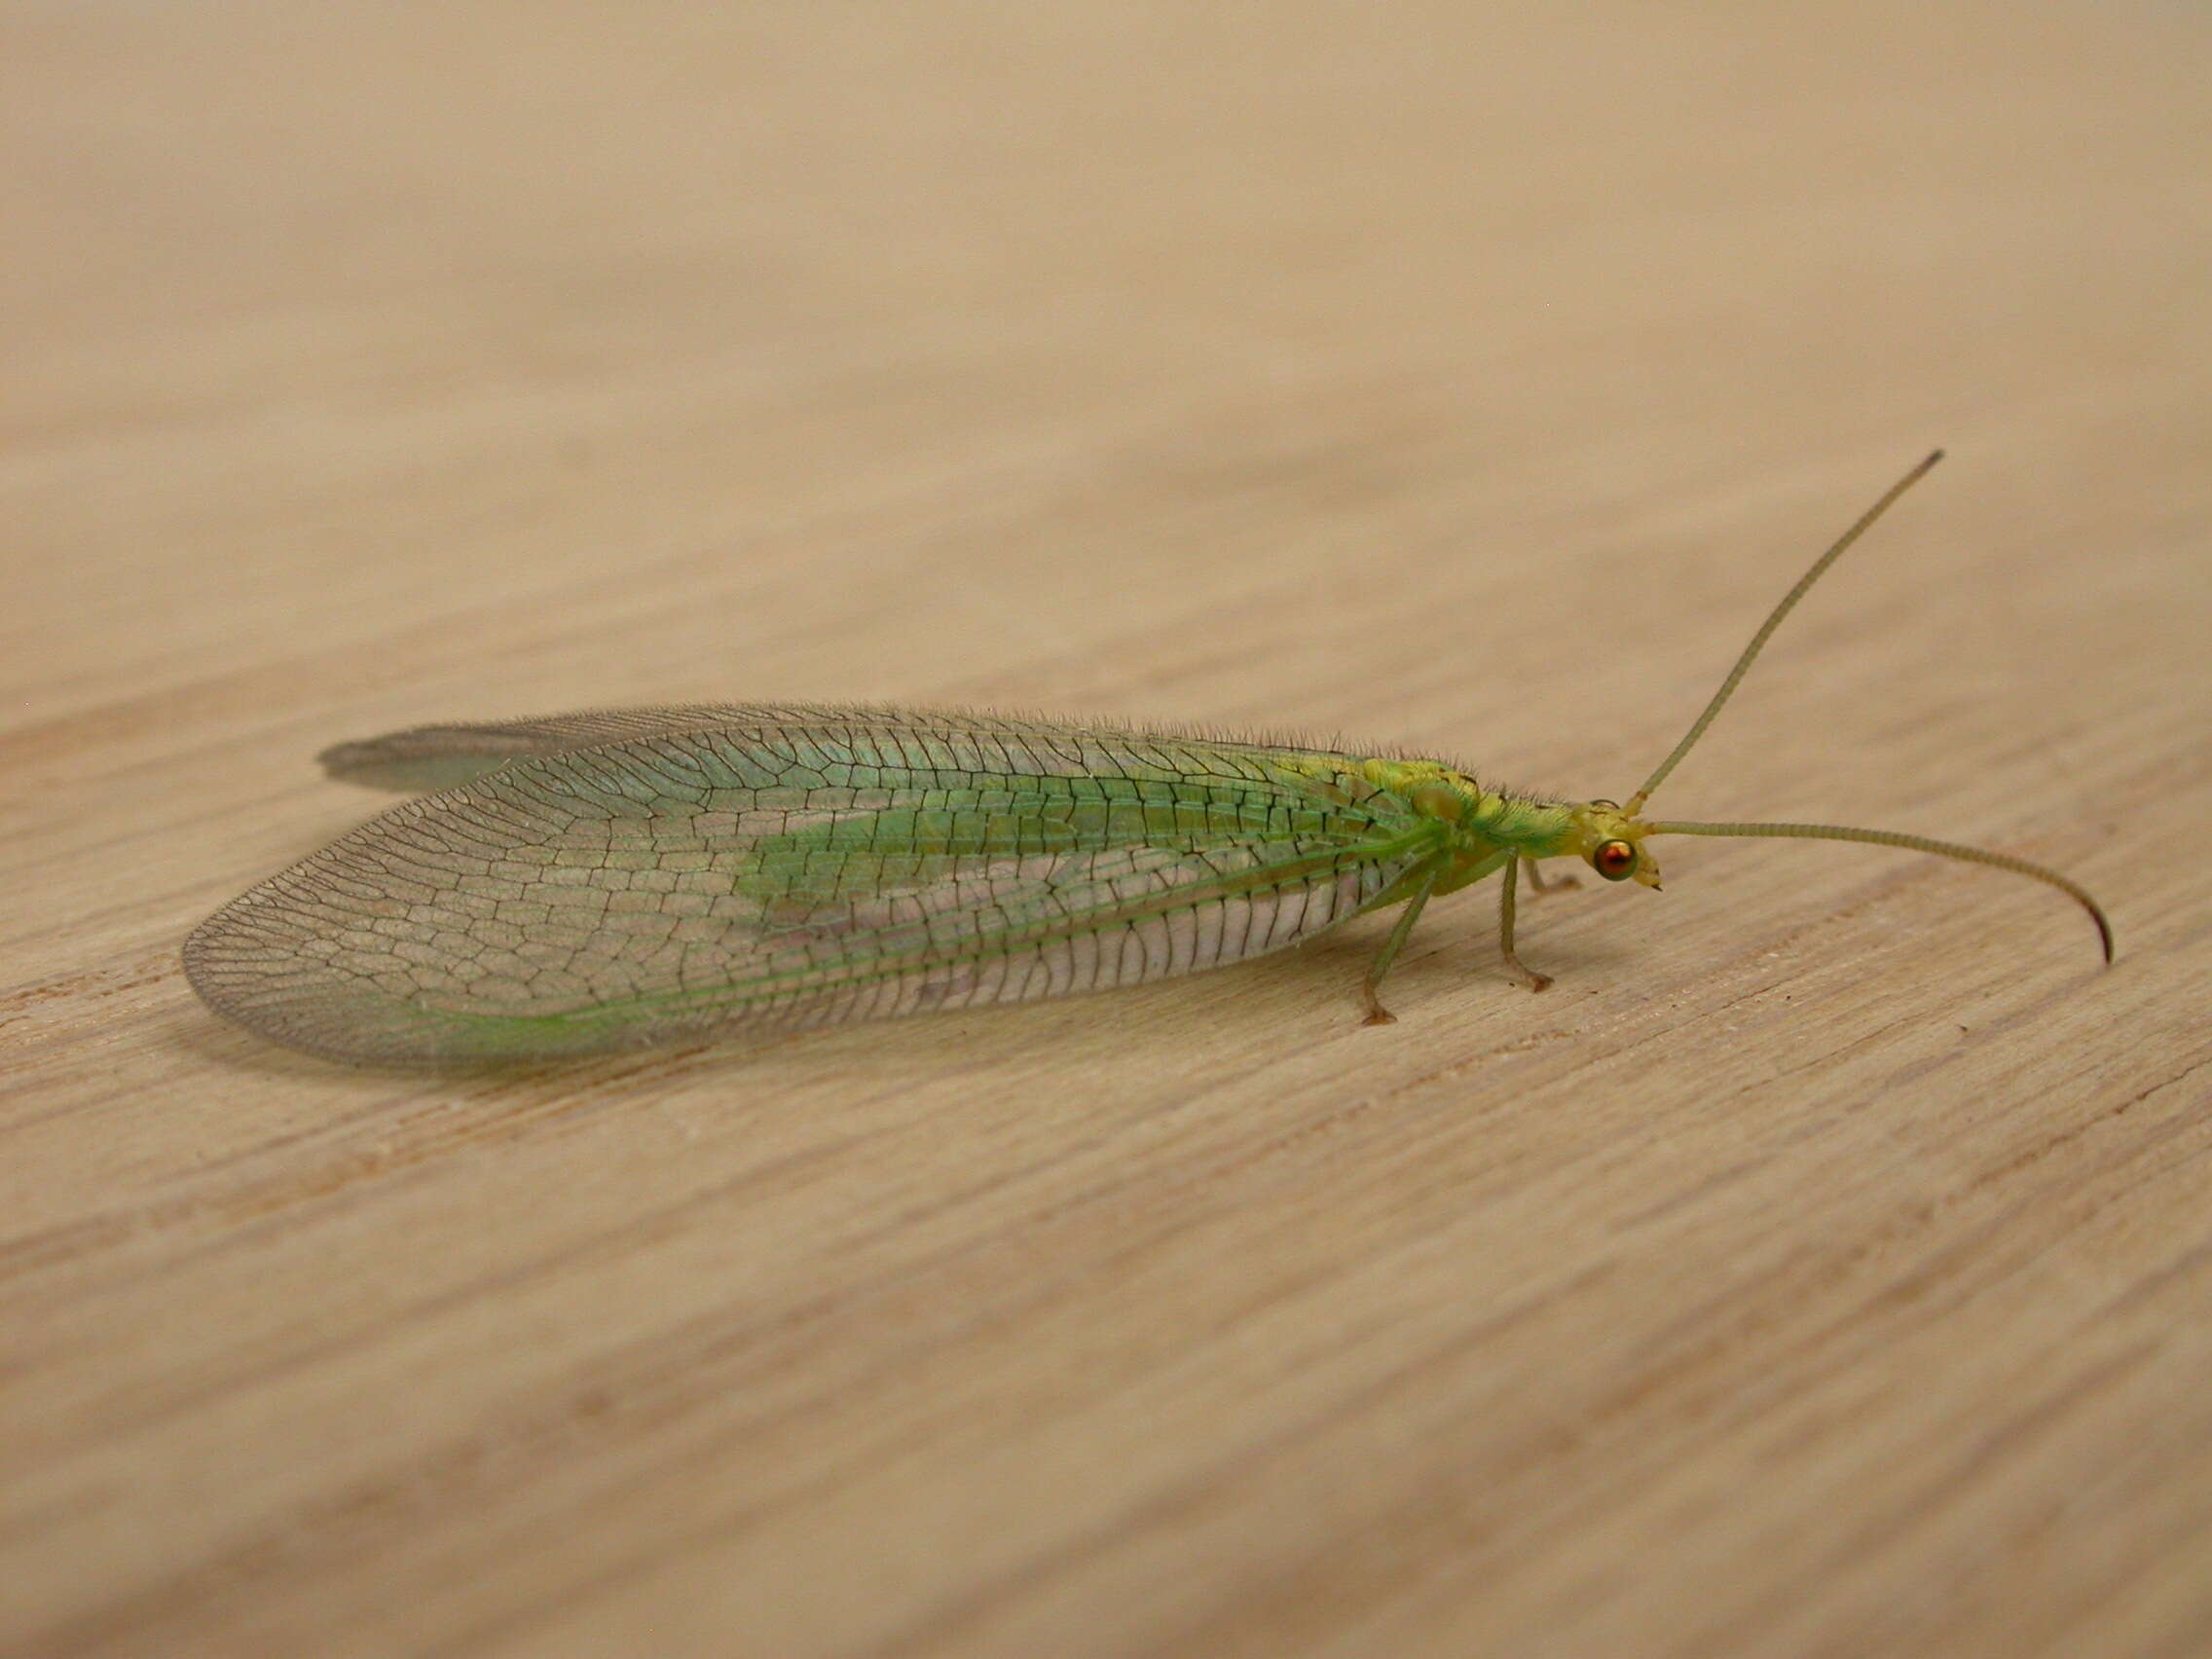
{"points": [[1823, 1268]]}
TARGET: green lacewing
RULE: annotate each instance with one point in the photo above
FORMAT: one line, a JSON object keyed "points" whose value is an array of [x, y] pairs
{"points": [[624, 878]]}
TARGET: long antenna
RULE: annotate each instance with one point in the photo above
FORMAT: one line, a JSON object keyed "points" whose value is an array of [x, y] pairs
{"points": [[1773, 621], [1914, 843]]}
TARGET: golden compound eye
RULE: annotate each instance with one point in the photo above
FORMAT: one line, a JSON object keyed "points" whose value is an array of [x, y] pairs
{"points": [[1615, 861]]}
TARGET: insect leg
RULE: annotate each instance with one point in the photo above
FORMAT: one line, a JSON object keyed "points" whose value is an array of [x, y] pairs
{"points": [[1538, 886], [1528, 976], [1377, 1013]]}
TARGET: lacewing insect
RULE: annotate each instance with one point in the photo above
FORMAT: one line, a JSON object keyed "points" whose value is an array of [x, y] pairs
{"points": [[619, 879]]}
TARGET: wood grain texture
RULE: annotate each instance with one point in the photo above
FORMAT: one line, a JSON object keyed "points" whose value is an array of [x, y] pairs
{"points": [[1822, 1267]]}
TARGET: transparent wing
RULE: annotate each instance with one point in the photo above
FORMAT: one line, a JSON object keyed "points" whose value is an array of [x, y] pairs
{"points": [[439, 757], [853, 865]]}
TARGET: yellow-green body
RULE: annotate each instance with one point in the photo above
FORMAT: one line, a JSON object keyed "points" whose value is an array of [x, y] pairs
{"points": [[605, 880], [1475, 828], [619, 878]]}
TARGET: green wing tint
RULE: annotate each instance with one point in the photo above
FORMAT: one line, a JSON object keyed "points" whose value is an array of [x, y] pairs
{"points": [[780, 867]]}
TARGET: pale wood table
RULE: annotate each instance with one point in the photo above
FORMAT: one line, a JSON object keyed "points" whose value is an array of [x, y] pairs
{"points": [[1822, 1267]]}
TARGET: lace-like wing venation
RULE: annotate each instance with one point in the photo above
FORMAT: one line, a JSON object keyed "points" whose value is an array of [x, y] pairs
{"points": [[440, 757], [658, 888]]}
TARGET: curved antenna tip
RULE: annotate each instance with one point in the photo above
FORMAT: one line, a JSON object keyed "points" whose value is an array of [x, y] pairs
{"points": [[2073, 889]]}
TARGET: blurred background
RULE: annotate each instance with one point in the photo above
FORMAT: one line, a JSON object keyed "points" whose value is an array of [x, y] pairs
{"points": [[1065, 353]]}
